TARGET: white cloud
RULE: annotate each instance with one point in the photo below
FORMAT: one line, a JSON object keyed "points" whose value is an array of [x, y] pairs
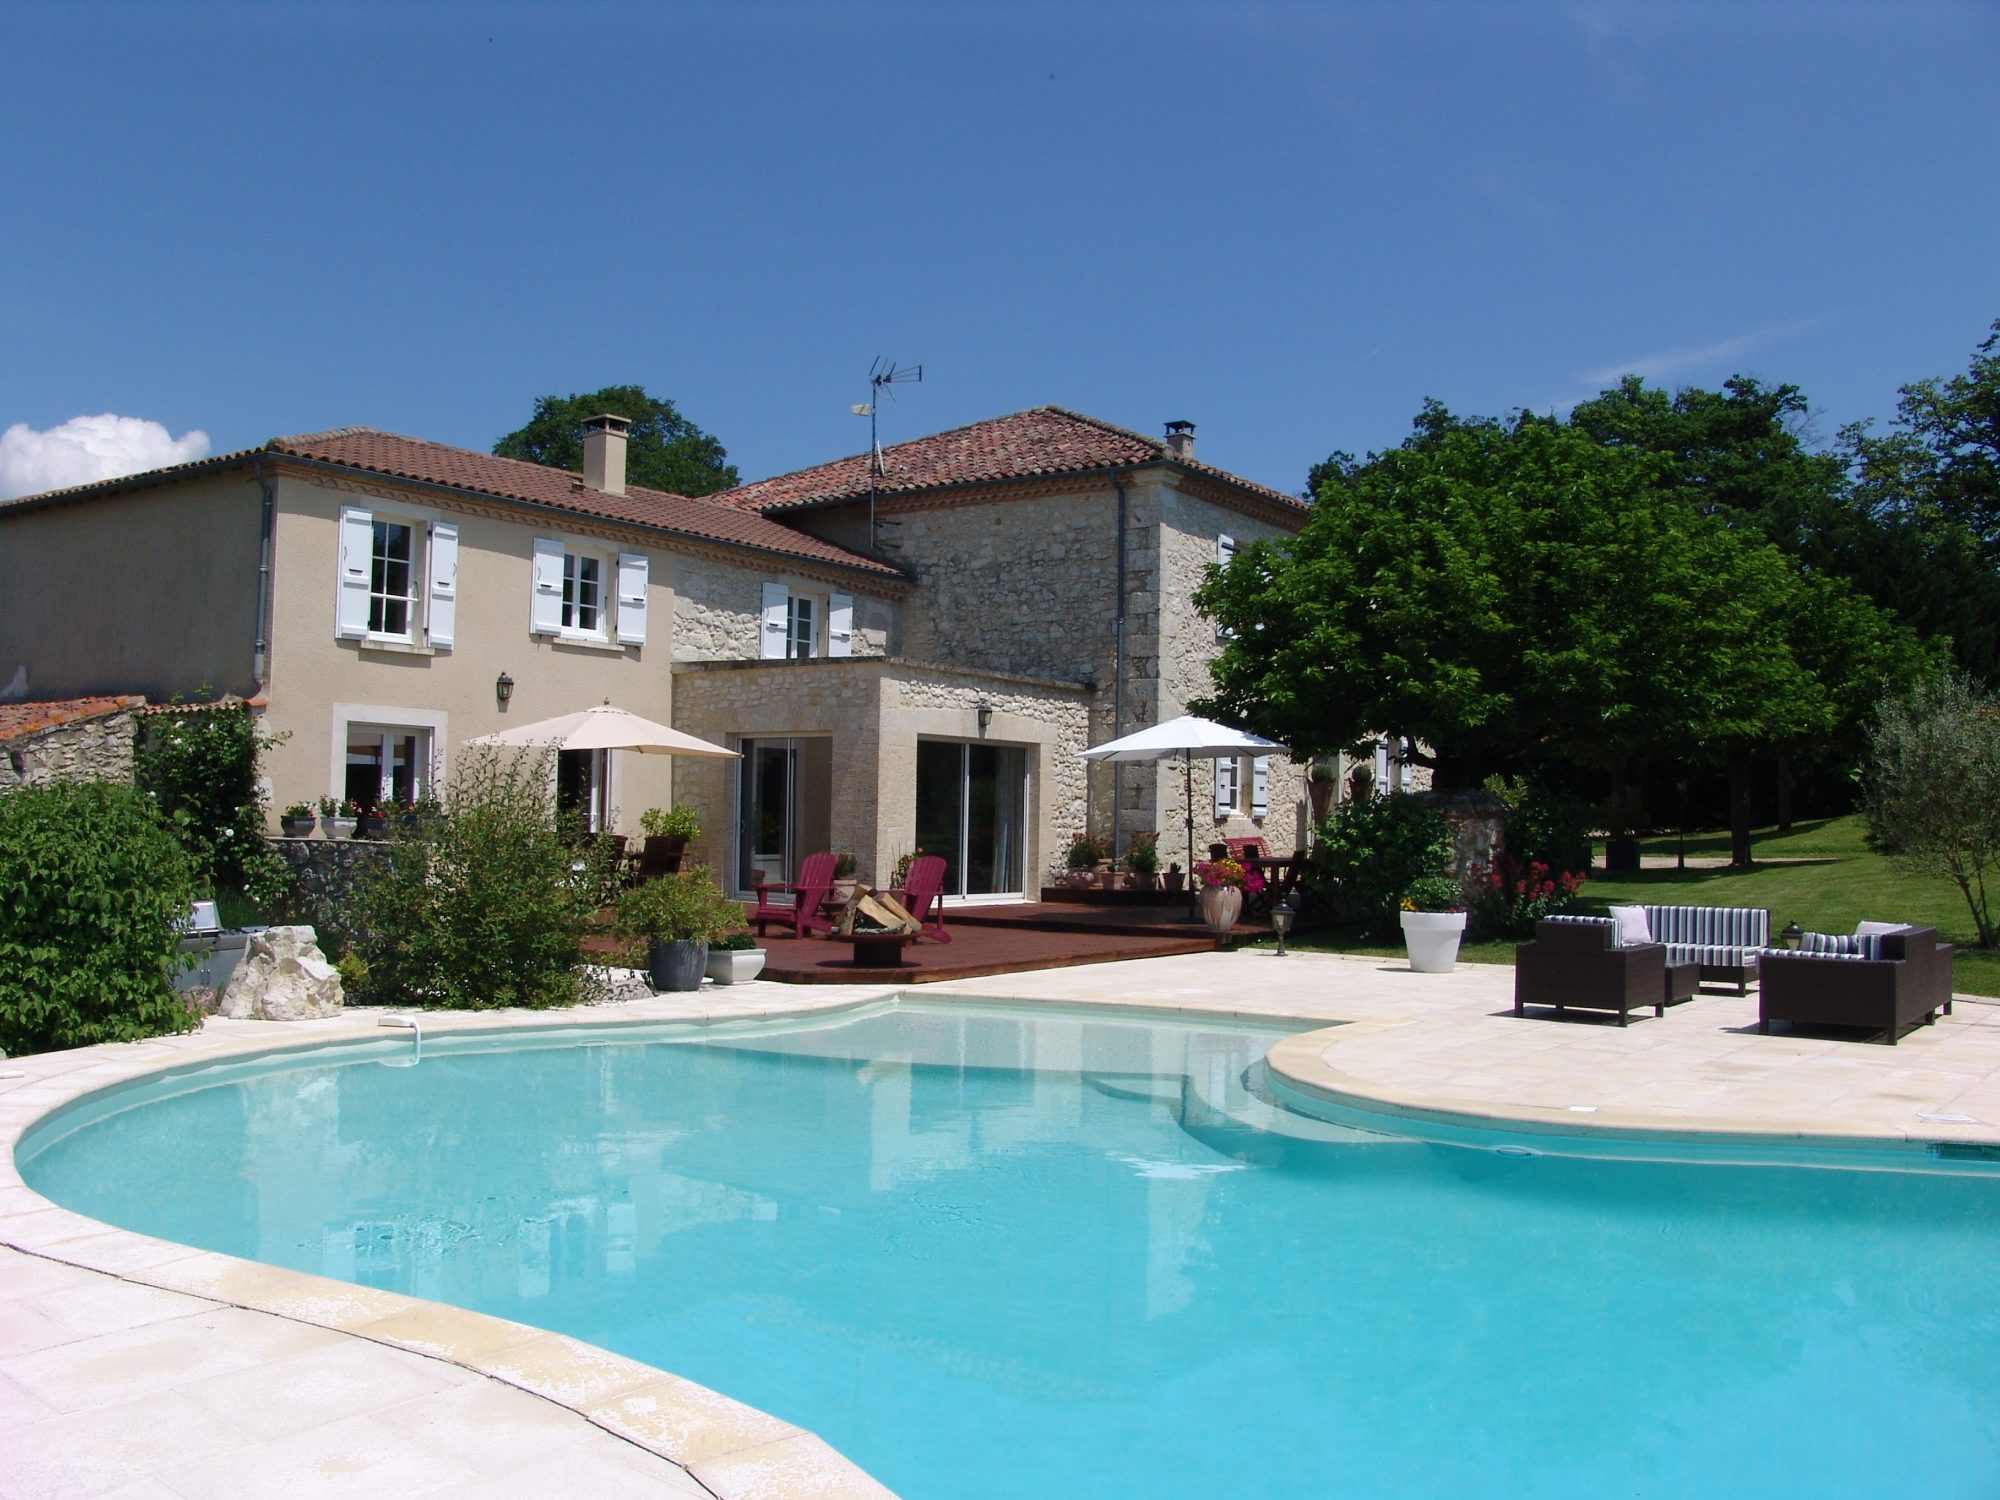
{"points": [[1666, 362], [84, 450]]}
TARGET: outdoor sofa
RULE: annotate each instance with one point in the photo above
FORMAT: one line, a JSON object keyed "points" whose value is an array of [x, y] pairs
{"points": [[1575, 963], [1883, 982], [1725, 940]]}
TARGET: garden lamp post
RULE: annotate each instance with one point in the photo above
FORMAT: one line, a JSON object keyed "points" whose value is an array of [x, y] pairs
{"points": [[1792, 936], [1281, 921]]}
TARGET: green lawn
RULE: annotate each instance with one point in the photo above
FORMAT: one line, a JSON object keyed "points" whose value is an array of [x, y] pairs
{"points": [[1840, 883]]}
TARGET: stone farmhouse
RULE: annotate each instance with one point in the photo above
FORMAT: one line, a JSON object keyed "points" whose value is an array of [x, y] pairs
{"points": [[906, 657]]}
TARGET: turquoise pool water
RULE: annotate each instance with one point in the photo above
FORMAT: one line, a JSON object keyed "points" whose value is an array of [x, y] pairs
{"points": [[991, 1253]]}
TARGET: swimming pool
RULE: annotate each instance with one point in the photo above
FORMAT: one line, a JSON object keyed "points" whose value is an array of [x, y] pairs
{"points": [[994, 1252]]}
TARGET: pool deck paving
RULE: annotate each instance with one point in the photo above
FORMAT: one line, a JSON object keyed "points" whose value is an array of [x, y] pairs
{"points": [[131, 1367]]}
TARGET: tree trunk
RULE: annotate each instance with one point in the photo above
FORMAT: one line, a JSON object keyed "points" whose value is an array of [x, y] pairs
{"points": [[1784, 794], [1739, 807]]}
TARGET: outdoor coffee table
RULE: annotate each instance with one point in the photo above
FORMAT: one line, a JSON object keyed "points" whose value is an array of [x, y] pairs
{"points": [[1682, 982]]}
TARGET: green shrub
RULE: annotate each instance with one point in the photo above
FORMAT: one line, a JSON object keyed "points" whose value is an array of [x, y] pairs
{"points": [[676, 822], [683, 908], [1369, 854], [1549, 827], [200, 768], [480, 901], [91, 885]]}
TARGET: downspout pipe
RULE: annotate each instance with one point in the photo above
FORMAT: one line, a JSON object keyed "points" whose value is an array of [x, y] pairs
{"points": [[260, 659]]}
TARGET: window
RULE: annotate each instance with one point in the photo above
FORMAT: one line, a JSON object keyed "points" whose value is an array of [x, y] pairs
{"points": [[583, 787], [1236, 775], [801, 642], [791, 625], [572, 593], [387, 765], [396, 577], [389, 579], [582, 593]]}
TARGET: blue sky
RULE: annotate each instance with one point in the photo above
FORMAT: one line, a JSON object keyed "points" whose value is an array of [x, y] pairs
{"points": [[1287, 223]]}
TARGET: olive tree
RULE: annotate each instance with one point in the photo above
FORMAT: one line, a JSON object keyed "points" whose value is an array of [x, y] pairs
{"points": [[1932, 793]]}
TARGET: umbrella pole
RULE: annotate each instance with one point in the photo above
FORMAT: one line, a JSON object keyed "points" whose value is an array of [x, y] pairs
{"points": [[1187, 777]]}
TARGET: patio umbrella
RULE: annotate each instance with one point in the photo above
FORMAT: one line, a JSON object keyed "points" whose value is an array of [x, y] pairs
{"points": [[1192, 739], [606, 728]]}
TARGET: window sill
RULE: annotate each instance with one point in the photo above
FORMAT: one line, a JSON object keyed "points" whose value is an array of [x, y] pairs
{"points": [[596, 643], [390, 645]]}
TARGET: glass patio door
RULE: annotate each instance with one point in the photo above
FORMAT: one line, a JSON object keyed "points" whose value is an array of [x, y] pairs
{"points": [[784, 807], [972, 808]]}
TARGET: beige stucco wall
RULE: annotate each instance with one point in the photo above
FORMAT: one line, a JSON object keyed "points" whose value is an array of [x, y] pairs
{"points": [[151, 591], [318, 683], [875, 711]]}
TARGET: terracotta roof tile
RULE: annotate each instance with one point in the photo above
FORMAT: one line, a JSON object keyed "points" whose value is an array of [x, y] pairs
{"points": [[1046, 441], [510, 478], [18, 719]]}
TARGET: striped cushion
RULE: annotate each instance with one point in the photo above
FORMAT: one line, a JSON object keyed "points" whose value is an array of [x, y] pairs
{"points": [[1597, 921], [1720, 936], [1842, 944], [1788, 953]]}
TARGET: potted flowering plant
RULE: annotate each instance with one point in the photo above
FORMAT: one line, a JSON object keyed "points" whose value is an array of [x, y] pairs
{"points": [[1432, 922], [1222, 883], [1086, 853], [337, 818], [1143, 861], [297, 820]]}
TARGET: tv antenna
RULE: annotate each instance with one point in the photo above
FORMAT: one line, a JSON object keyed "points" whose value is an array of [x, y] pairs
{"points": [[882, 374]]}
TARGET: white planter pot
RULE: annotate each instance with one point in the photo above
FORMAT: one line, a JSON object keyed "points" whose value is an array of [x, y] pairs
{"points": [[1432, 938], [732, 965]]}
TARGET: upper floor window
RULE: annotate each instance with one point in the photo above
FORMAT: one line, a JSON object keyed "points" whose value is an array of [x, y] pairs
{"points": [[582, 593], [792, 625], [396, 579], [588, 595], [390, 575], [1242, 787]]}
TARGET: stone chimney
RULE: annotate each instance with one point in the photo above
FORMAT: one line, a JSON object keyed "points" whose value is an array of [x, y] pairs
{"points": [[1180, 439], [604, 453]]}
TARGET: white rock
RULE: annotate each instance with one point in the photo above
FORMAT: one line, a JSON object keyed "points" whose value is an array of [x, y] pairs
{"points": [[283, 977]]}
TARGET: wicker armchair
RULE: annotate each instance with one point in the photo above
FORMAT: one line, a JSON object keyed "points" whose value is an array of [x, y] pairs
{"points": [[1906, 981], [1575, 963]]}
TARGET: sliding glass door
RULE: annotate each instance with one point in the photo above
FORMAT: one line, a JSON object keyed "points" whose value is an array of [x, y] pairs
{"points": [[972, 808], [784, 807]]}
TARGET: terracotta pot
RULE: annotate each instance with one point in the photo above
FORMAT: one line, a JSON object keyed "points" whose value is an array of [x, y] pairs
{"points": [[1221, 905]]}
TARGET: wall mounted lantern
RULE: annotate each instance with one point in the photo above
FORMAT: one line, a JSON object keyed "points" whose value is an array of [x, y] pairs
{"points": [[985, 712], [503, 689]]}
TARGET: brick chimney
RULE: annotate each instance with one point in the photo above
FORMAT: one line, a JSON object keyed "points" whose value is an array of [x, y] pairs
{"points": [[1180, 439], [604, 453]]}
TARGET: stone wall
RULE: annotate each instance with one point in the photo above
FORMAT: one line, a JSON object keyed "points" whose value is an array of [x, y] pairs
{"points": [[324, 873], [719, 612], [94, 749]]}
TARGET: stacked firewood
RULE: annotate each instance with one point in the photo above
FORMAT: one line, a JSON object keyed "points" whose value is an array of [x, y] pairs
{"points": [[873, 913]]}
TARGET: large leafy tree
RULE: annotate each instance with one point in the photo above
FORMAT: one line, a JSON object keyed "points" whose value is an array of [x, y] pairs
{"points": [[665, 452], [1514, 593]]}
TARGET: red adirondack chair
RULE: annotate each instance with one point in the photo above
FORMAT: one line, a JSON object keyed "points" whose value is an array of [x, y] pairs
{"points": [[808, 893], [922, 895]]}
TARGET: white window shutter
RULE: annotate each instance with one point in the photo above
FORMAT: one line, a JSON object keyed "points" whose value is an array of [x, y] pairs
{"points": [[1225, 786], [1225, 548], [545, 603], [442, 620], [357, 558], [632, 570], [771, 642], [1382, 767], [839, 624], [1260, 786]]}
